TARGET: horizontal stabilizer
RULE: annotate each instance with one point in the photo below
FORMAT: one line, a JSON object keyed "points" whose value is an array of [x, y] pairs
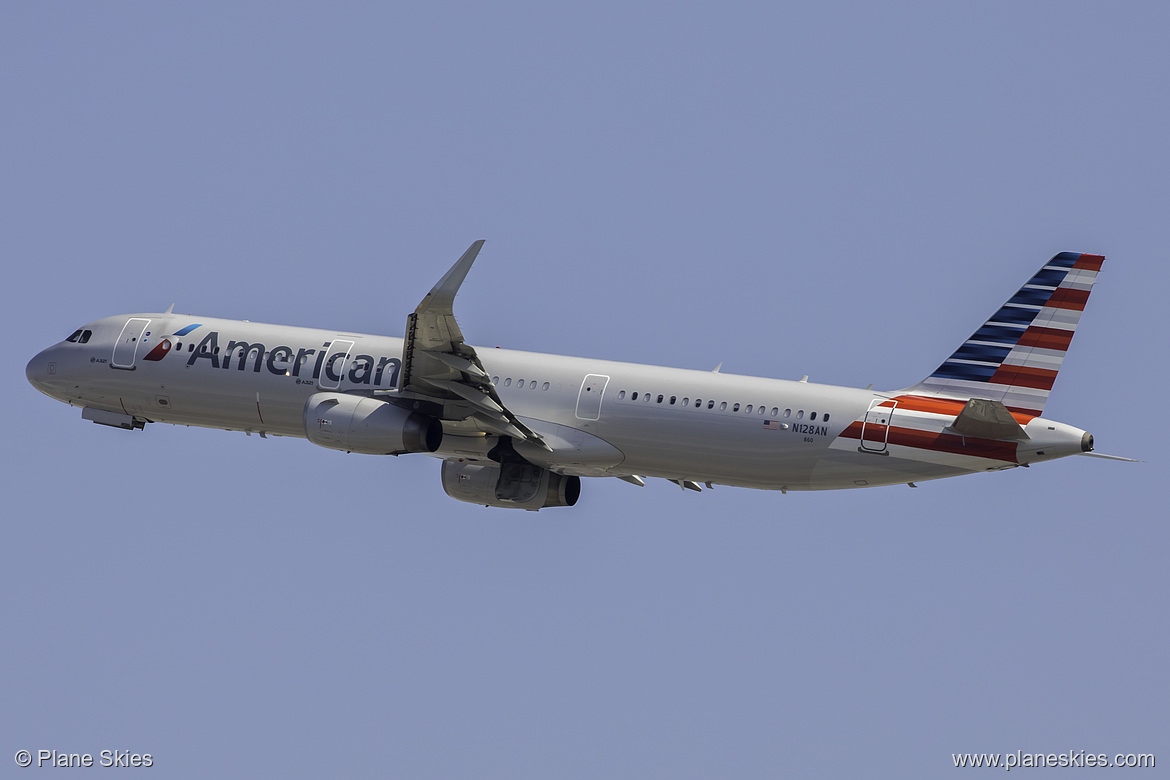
{"points": [[983, 418]]}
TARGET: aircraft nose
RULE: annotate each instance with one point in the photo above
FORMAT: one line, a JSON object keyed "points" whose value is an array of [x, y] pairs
{"points": [[40, 369]]}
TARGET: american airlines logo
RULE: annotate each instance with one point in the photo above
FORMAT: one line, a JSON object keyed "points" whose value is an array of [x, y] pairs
{"points": [[163, 347], [286, 361], [159, 352]]}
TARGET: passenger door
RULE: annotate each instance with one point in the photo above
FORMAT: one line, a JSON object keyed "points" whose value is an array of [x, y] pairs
{"points": [[589, 397], [875, 429], [126, 346]]}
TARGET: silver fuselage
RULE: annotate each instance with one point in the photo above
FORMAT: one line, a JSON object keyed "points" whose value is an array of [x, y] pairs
{"points": [[600, 418]]}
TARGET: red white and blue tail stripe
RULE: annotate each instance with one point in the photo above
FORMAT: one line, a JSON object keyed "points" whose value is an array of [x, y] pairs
{"points": [[1015, 356]]}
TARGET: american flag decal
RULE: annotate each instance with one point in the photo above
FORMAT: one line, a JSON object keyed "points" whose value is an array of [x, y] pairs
{"points": [[771, 425]]}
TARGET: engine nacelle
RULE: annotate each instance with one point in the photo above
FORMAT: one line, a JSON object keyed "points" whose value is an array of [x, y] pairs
{"points": [[513, 485], [355, 423]]}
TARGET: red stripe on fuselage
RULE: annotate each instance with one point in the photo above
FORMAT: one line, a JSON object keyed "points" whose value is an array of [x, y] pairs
{"points": [[937, 441], [918, 403], [950, 407]]}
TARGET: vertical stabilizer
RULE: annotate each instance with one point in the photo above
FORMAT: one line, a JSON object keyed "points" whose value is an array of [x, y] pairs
{"points": [[1015, 356]]}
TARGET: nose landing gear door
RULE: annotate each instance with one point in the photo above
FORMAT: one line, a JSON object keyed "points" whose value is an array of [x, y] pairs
{"points": [[126, 346]]}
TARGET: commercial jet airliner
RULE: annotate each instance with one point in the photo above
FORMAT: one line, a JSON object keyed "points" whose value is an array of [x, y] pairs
{"points": [[520, 429]]}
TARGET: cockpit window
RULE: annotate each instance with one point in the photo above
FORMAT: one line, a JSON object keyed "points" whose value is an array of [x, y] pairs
{"points": [[85, 334], [74, 336]]}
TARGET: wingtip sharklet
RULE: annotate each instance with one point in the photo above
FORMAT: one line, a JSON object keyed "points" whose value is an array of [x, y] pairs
{"points": [[443, 293]]}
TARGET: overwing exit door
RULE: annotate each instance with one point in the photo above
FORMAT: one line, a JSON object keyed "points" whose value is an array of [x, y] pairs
{"points": [[335, 366], [589, 397]]}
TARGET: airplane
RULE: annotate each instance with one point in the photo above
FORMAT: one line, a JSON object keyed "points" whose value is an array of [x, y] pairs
{"points": [[520, 430]]}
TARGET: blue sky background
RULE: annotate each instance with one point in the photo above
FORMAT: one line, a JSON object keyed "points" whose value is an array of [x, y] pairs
{"points": [[845, 190]]}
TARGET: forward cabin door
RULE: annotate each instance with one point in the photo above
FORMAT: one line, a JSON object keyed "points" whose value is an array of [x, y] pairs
{"points": [[126, 346]]}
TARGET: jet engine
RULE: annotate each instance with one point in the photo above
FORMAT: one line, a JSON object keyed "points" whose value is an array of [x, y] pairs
{"points": [[514, 484], [355, 423]]}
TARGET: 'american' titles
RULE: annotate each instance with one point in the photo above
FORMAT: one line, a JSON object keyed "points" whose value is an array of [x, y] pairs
{"points": [[285, 361]]}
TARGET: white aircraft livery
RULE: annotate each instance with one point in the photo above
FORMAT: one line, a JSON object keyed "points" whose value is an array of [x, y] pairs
{"points": [[520, 429]]}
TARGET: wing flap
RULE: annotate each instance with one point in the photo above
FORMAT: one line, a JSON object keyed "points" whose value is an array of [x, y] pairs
{"points": [[460, 363]]}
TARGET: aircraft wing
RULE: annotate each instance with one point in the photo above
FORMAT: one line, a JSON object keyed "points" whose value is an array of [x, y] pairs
{"points": [[437, 364]]}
